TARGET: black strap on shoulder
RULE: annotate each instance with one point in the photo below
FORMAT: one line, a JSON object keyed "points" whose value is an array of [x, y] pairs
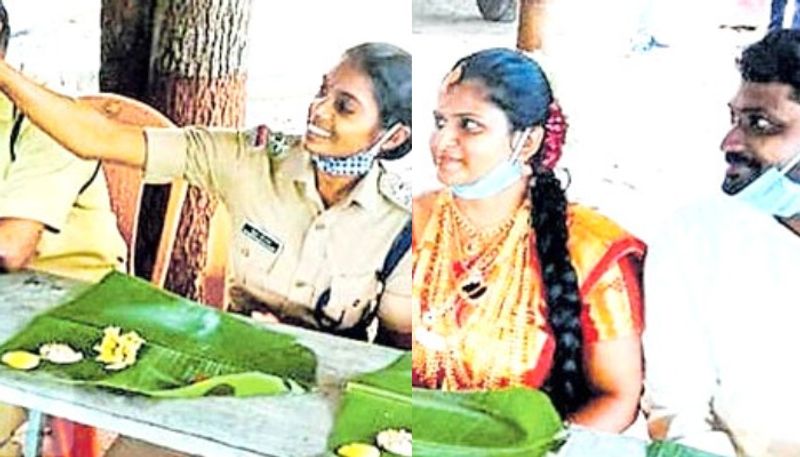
{"points": [[400, 246], [91, 178], [15, 129], [14, 136]]}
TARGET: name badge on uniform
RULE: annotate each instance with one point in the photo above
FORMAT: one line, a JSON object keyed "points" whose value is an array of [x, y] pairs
{"points": [[262, 237]]}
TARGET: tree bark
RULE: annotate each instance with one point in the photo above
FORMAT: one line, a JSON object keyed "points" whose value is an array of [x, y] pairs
{"points": [[126, 38], [197, 77], [187, 59], [531, 21]]}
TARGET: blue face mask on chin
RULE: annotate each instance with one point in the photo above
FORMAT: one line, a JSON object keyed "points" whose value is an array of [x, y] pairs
{"points": [[358, 164], [773, 192], [500, 178]]}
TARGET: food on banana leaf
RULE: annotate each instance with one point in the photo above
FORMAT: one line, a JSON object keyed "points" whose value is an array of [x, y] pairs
{"points": [[59, 353], [396, 441], [118, 351], [21, 360], [358, 450]]}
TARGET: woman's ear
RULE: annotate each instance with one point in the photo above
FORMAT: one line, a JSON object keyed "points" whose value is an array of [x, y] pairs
{"points": [[400, 135], [532, 143]]}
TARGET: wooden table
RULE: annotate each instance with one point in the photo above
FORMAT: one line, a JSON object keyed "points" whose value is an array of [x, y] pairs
{"points": [[281, 426]]}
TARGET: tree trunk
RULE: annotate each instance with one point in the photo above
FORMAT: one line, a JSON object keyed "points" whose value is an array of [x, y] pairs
{"points": [[126, 37], [197, 77], [532, 14]]}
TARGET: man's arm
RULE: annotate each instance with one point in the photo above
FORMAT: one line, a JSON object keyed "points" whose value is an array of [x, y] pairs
{"points": [[18, 241]]}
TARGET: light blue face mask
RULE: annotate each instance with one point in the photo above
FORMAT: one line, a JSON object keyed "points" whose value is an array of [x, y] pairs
{"points": [[773, 192], [501, 177], [357, 164]]}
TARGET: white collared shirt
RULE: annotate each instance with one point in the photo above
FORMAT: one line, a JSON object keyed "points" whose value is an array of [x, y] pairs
{"points": [[723, 324]]}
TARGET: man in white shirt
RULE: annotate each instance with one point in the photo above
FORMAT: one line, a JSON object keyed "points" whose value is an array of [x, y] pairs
{"points": [[720, 282]]}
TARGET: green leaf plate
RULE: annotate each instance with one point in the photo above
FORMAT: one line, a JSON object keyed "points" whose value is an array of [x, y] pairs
{"points": [[505, 423], [670, 449], [191, 350]]}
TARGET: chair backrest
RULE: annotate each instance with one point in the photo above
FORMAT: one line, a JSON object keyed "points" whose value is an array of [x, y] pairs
{"points": [[125, 183]]}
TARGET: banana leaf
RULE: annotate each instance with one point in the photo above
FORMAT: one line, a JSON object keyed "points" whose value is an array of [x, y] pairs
{"points": [[191, 350], [671, 449], [514, 422], [504, 423], [374, 402]]}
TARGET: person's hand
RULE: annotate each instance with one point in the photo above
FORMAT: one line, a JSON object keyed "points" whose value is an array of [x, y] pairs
{"points": [[245, 303]]}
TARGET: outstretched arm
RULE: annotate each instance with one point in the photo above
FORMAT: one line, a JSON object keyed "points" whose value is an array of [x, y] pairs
{"points": [[75, 124]]}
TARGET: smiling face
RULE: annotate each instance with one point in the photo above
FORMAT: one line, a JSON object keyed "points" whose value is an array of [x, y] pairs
{"points": [[344, 117], [765, 132], [472, 135]]}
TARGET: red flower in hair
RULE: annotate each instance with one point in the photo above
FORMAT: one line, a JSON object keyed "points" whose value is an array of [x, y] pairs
{"points": [[555, 134]]}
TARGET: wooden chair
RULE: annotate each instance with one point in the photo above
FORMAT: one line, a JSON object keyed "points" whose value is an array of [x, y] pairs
{"points": [[125, 188], [125, 183]]}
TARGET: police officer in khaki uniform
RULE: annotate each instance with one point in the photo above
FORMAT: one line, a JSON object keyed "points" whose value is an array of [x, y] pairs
{"points": [[55, 214], [289, 245], [314, 217]]}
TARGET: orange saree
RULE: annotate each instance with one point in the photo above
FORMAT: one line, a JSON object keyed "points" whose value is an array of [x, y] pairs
{"points": [[478, 307]]}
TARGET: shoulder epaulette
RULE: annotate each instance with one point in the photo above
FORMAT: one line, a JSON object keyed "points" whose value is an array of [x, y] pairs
{"points": [[396, 189]]}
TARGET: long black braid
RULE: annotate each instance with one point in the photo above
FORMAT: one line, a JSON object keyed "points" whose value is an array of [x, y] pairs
{"points": [[566, 383], [517, 85]]}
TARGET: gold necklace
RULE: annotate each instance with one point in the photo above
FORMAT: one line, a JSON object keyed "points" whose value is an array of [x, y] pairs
{"points": [[464, 339], [476, 250], [477, 239]]}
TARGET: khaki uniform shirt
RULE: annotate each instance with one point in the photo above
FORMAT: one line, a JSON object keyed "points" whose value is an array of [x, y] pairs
{"points": [[47, 184], [287, 248]]}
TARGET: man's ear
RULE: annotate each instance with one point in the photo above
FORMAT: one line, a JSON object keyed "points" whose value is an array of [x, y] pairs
{"points": [[532, 143], [401, 135]]}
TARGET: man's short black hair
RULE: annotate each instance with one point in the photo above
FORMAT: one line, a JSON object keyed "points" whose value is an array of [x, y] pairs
{"points": [[775, 58]]}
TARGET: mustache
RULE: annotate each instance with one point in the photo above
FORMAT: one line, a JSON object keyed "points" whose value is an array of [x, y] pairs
{"points": [[440, 157], [735, 158]]}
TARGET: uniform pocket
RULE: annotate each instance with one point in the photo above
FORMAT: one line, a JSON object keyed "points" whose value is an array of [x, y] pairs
{"points": [[255, 252]]}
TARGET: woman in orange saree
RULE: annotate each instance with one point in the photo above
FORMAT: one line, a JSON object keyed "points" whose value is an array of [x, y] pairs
{"points": [[513, 286]]}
